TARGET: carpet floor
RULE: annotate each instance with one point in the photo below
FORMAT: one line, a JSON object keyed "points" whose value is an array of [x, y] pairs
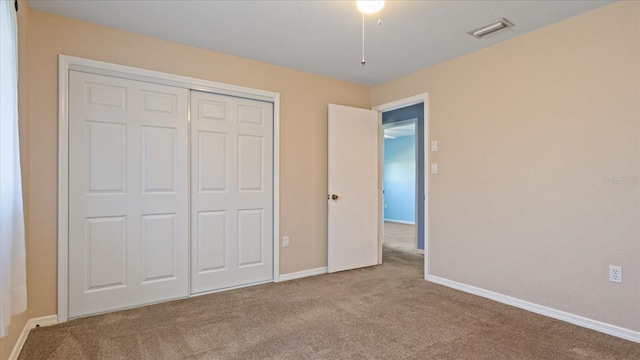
{"points": [[401, 237], [380, 312]]}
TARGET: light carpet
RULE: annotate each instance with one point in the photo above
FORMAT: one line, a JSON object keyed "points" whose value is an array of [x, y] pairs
{"points": [[380, 312]]}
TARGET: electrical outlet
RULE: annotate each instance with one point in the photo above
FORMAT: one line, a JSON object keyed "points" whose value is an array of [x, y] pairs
{"points": [[285, 241], [615, 274]]}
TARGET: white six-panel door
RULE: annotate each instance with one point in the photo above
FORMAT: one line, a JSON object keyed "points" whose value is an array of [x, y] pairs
{"points": [[128, 193], [231, 191]]}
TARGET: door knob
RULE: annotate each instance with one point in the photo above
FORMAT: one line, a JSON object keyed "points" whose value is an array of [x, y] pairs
{"points": [[334, 197]]}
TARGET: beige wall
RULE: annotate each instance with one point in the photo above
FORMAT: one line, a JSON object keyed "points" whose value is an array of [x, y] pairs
{"points": [[303, 141], [527, 130]]}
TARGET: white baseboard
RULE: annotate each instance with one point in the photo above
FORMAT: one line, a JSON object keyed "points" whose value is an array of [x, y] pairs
{"points": [[542, 310], [400, 221], [596, 325], [32, 323], [302, 274]]}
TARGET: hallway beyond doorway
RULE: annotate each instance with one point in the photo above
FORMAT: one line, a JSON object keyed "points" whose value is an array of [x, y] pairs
{"points": [[400, 237]]}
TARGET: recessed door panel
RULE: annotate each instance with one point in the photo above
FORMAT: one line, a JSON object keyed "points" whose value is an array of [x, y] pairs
{"points": [[250, 115], [163, 103], [212, 241], [106, 157], [106, 95], [106, 240], [158, 159], [250, 237], [212, 110], [250, 163], [158, 244], [212, 161]]}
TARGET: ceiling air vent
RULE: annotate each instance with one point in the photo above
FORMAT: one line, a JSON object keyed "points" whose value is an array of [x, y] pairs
{"points": [[496, 26]]}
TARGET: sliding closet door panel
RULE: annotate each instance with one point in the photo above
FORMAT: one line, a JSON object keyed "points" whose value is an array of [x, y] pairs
{"points": [[128, 193], [232, 191]]}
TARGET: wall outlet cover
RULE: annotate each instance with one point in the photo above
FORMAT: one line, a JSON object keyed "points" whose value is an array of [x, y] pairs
{"points": [[615, 274]]}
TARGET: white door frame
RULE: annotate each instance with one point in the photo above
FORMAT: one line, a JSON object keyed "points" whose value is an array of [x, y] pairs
{"points": [[67, 63], [413, 100]]}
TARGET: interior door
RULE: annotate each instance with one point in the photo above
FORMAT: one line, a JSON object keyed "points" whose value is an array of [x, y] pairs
{"points": [[231, 191], [353, 211], [128, 193]]}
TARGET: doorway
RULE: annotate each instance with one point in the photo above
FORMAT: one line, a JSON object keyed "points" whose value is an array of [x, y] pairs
{"points": [[400, 186], [404, 172], [414, 107]]}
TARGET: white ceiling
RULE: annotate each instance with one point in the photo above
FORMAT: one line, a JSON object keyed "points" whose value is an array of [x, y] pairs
{"points": [[324, 37]]}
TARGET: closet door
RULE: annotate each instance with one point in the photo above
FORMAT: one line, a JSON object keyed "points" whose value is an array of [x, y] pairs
{"points": [[128, 193], [231, 191]]}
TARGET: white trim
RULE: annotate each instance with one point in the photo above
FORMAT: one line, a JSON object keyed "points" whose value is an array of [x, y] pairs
{"points": [[276, 187], [63, 187], [303, 274], [413, 100], [400, 221], [380, 187], [66, 63], [32, 323], [427, 161], [582, 321], [156, 77]]}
